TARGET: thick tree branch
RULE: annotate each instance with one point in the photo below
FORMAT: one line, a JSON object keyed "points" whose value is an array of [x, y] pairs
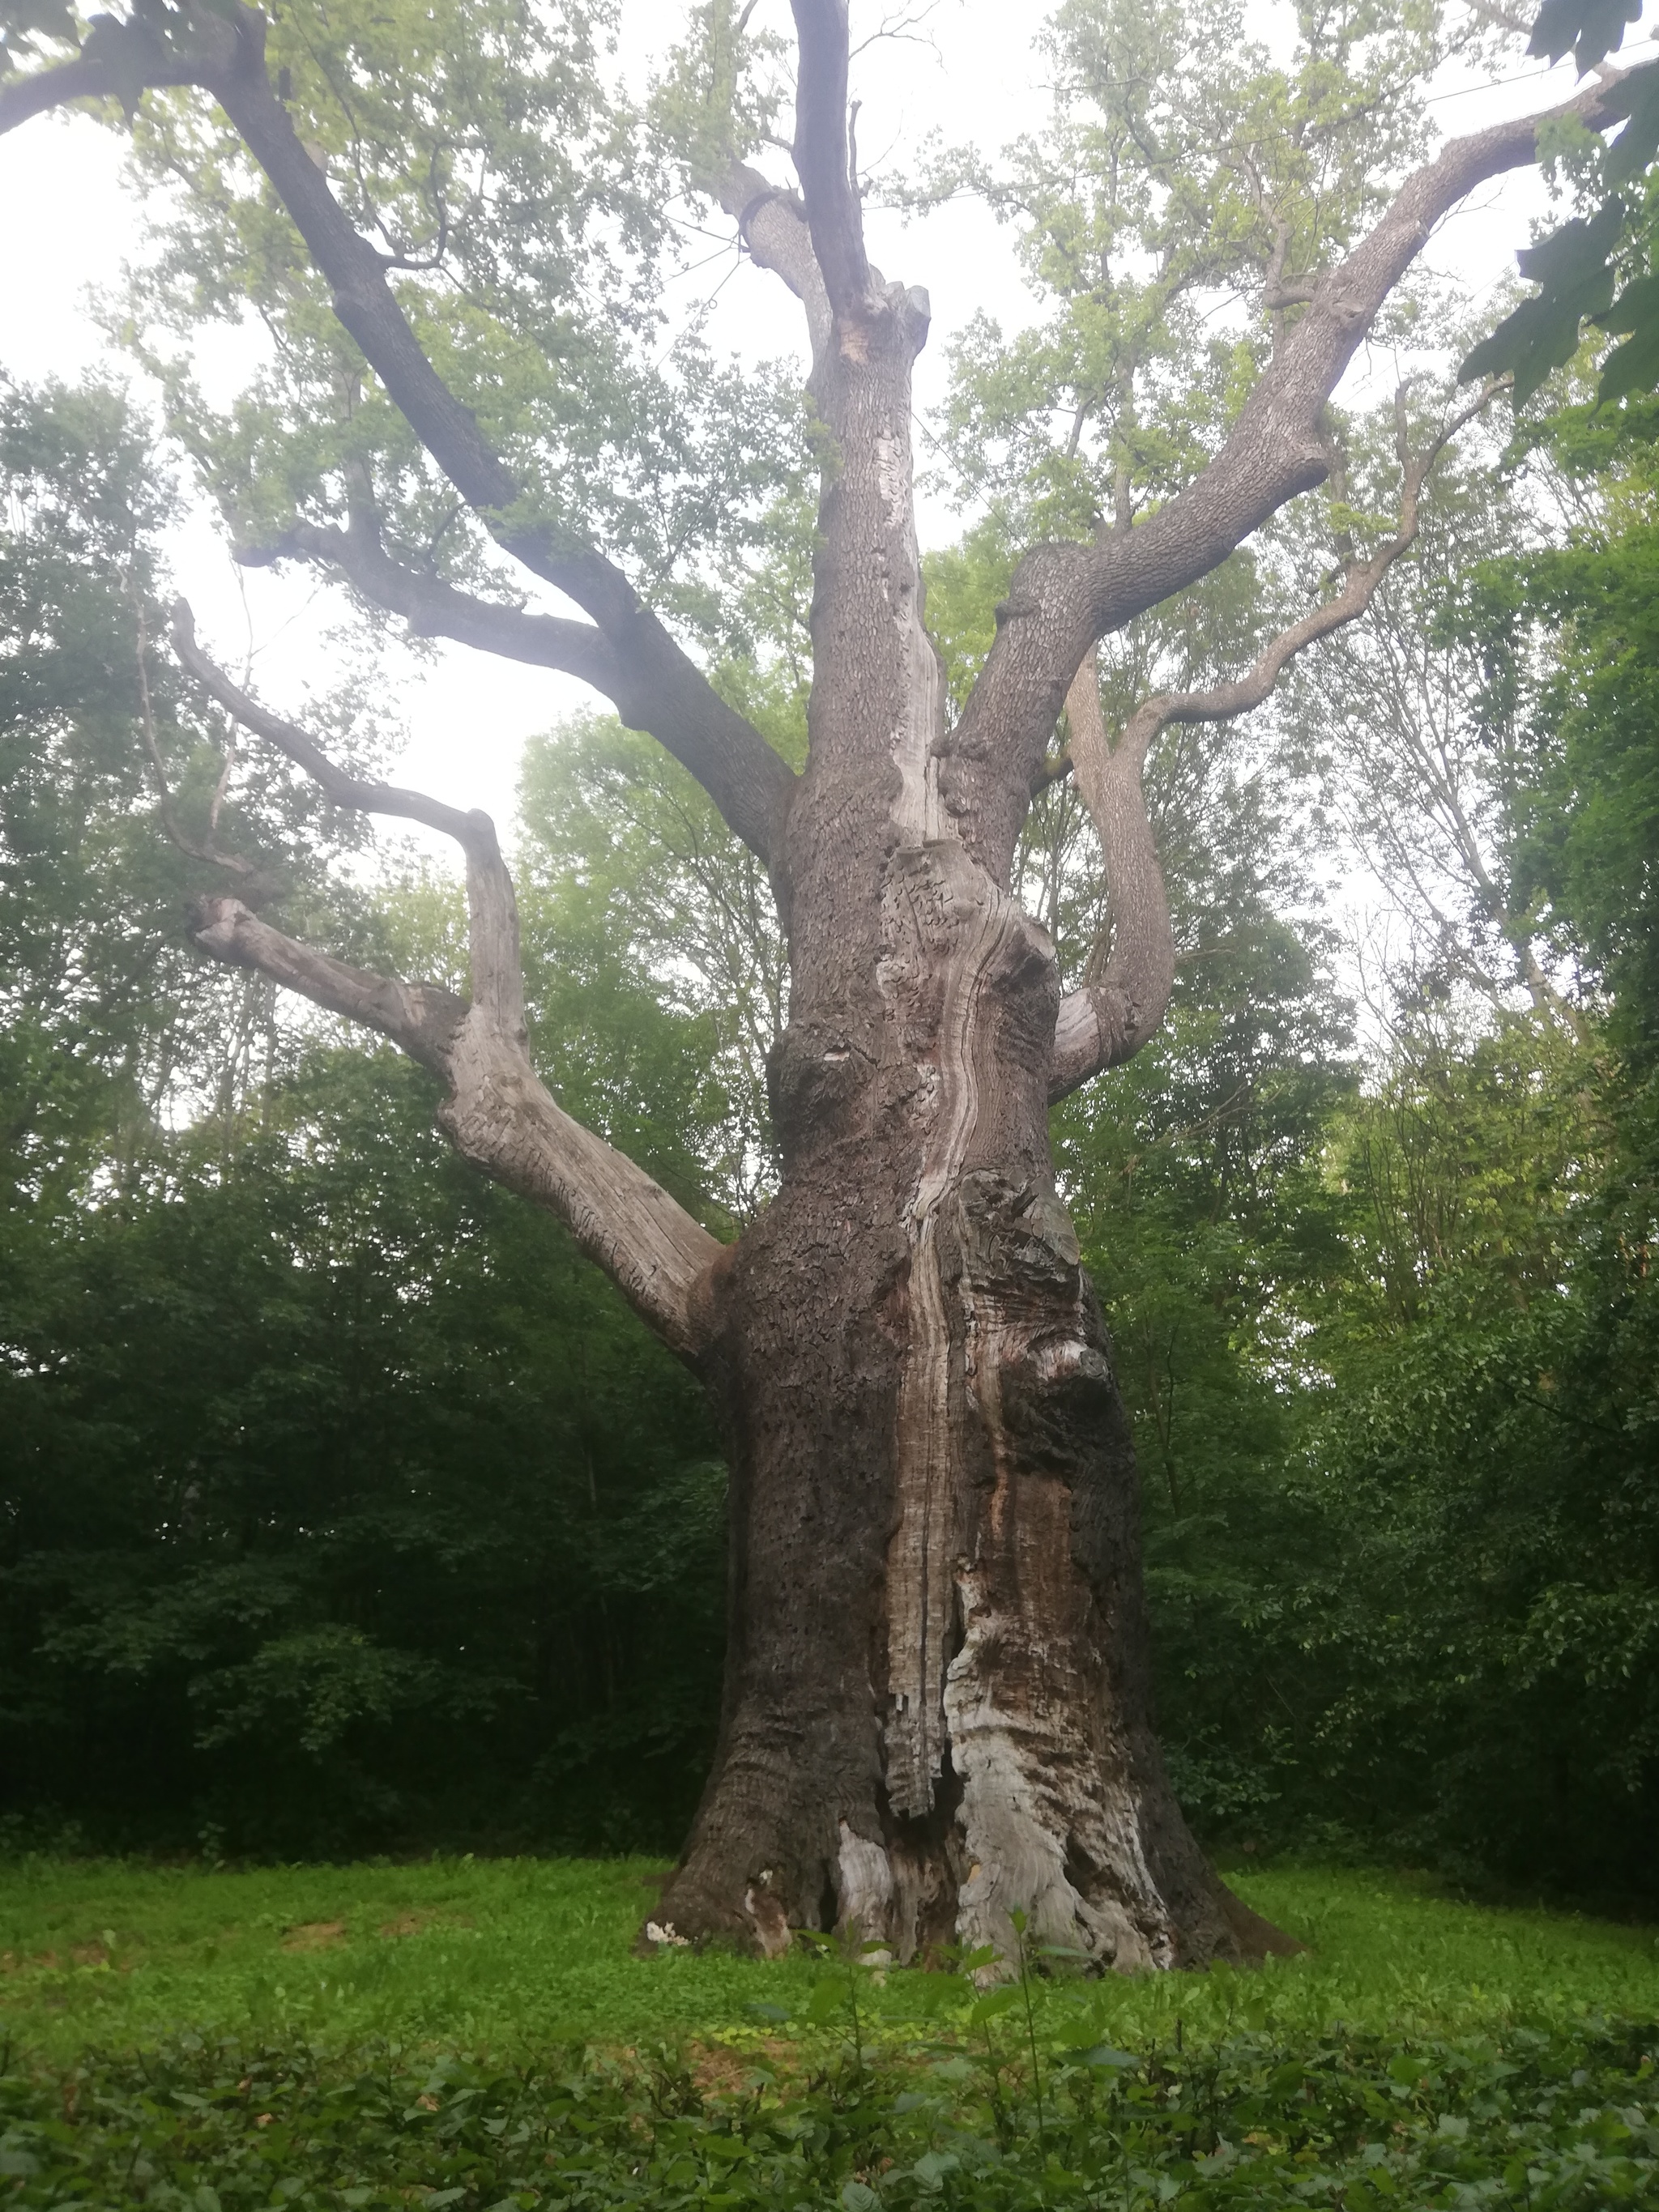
{"points": [[433, 608], [772, 224], [92, 75], [1108, 1019], [420, 1016], [1113, 1015], [823, 155], [745, 778], [256, 887], [645, 696], [1062, 597], [496, 1110], [344, 788]]}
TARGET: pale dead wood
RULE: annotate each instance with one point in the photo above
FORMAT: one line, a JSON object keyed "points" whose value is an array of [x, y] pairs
{"points": [[496, 1110], [772, 224], [209, 851], [1109, 1017]]}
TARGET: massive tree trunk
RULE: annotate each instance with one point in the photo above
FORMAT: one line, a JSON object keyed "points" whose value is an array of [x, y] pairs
{"points": [[936, 1705]]}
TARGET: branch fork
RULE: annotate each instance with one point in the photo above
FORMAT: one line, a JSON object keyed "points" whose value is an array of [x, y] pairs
{"points": [[1111, 1016], [496, 1110]]}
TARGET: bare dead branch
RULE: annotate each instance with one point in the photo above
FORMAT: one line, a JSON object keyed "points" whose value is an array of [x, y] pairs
{"points": [[772, 224], [1113, 1015], [1064, 597], [1108, 1019], [420, 1016], [344, 788], [497, 978], [254, 884], [496, 1110]]}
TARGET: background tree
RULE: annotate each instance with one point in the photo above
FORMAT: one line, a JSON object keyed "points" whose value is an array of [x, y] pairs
{"points": [[936, 1704]]}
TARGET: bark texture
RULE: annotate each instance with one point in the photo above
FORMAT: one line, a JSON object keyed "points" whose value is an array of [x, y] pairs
{"points": [[938, 1707]]}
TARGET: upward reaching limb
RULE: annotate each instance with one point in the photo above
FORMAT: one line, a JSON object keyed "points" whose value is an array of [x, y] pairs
{"points": [[1062, 597], [823, 157], [772, 224], [496, 1110], [748, 782], [1110, 1018]]}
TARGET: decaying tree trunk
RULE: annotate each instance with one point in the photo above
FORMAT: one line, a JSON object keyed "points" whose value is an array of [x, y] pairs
{"points": [[937, 1705]]}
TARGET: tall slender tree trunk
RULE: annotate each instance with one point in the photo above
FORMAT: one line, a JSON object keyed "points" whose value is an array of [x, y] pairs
{"points": [[936, 1705]]}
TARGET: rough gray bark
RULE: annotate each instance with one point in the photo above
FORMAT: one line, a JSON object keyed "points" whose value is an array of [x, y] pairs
{"points": [[937, 1704]]}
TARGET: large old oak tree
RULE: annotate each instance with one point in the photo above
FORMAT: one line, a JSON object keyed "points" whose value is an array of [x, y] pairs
{"points": [[936, 1705]]}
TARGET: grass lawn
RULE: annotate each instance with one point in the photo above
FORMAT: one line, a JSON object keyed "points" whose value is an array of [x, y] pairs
{"points": [[509, 1954], [478, 2035]]}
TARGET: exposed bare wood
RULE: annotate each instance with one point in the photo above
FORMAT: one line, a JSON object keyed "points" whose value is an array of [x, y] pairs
{"points": [[496, 1110], [344, 788], [256, 886], [1108, 1019], [772, 224], [422, 1018]]}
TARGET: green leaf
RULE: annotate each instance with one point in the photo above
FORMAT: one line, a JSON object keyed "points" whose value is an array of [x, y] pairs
{"points": [[1564, 260], [1633, 367], [1635, 147], [993, 2003], [1570, 265], [1588, 29]]}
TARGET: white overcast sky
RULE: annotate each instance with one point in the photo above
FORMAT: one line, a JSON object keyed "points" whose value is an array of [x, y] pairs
{"points": [[69, 224]]}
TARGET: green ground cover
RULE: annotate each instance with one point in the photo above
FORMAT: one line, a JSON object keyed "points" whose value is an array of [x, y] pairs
{"points": [[505, 1954], [478, 2034]]}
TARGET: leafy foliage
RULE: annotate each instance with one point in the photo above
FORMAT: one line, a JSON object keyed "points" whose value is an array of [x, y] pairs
{"points": [[297, 1443], [1577, 266], [1184, 165], [1566, 2121]]}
